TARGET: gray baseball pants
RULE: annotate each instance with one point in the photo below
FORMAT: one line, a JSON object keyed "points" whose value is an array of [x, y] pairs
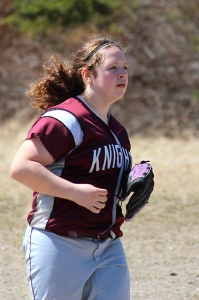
{"points": [[65, 268]]}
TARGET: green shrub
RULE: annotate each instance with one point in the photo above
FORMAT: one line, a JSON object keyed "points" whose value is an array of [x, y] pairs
{"points": [[38, 16]]}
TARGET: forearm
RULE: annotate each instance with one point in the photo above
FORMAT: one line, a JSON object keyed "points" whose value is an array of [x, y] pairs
{"points": [[38, 178]]}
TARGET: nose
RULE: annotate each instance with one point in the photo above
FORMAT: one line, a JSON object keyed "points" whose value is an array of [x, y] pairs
{"points": [[122, 73]]}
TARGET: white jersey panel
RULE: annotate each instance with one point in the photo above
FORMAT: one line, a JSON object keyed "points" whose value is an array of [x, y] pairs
{"points": [[43, 211], [70, 121], [45, 203]]}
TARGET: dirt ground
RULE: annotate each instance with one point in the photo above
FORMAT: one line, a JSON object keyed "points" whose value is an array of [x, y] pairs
{"points": [[161, 243]]}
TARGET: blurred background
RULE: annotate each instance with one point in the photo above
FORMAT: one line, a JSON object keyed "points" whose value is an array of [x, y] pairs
{"points": [[162, 42], [160, 111]]}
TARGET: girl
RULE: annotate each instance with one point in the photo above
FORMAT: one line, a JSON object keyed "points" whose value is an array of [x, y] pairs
{"points": [[74, 158]]}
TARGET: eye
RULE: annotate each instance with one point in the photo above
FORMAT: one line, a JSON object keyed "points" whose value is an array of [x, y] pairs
{"points": [[125, 67], [112, 68]]}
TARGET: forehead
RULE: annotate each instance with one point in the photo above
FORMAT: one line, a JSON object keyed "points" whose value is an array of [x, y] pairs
{"points": [[112, 54]]}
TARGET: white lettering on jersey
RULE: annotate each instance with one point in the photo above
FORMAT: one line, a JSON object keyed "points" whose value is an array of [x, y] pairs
{"points": [[96, 154], [107, 157], [110, 156], [113, 165], [126, 158], [119, 156]]}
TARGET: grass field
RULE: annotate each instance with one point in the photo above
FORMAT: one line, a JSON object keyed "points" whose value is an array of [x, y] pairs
{"points": [[161, 243]]}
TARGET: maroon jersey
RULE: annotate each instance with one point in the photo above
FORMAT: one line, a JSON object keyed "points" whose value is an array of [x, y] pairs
{"points": [[85, 150]]}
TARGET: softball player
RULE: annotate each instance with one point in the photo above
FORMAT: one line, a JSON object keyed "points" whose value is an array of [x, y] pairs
{"points": [[74, 158]]}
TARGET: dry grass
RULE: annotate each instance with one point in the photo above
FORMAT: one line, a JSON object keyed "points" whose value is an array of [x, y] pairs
{"points": [[161, 242]]}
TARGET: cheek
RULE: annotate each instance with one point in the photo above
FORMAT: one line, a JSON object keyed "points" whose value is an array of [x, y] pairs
{"points": [[105, 79], [109, 77]]}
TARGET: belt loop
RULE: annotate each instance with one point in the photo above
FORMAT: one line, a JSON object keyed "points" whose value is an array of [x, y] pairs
{"points": [[112, 234]]}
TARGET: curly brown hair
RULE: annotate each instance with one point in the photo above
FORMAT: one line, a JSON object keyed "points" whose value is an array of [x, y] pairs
{"points": [[62, 77]]}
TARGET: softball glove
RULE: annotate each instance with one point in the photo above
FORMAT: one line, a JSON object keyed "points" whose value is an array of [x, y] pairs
{"points": [[140, 182]]}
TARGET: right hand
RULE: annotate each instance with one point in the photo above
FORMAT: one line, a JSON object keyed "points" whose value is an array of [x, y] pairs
{"points": [[90, 197]]}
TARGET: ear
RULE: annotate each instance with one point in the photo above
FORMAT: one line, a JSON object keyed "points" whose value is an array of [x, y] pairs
{"points": [[87, 76]]}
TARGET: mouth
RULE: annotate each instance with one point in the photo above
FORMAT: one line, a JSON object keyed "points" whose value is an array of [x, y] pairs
{"points": [[121, 85]]}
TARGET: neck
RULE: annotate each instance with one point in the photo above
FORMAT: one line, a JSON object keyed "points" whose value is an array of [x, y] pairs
{"points": [[98, 106]]}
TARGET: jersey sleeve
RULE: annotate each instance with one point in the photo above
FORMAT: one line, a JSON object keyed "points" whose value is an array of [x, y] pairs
{"points": [[59, 132]]}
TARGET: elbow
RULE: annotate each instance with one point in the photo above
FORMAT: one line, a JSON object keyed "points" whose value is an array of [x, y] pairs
{"points": [[15, 173]]}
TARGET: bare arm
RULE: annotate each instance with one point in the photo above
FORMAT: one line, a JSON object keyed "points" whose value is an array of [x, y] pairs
{"points": [[28, 167]]}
